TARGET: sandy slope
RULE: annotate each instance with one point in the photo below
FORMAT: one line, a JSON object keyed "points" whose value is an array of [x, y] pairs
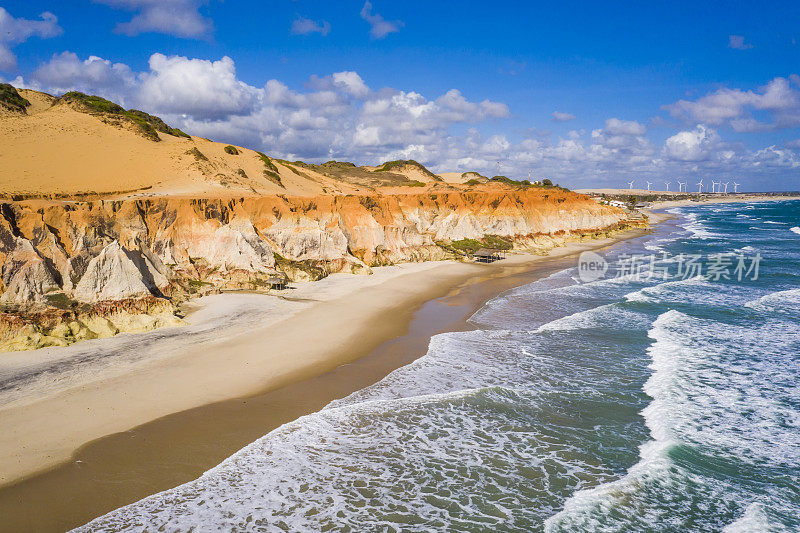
{"points": [[55, 149]]}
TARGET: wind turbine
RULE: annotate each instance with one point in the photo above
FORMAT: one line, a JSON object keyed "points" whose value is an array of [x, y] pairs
{"points": [[714, 186], [700, 186], [648, 185], [498, 168], [735, 187], [667, 184], [630, 185], [726, 186]]}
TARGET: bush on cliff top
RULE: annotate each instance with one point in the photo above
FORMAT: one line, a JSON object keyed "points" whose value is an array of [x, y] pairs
{"points": [[146, 123], [400, 163], [11, 99], [271, 171]]}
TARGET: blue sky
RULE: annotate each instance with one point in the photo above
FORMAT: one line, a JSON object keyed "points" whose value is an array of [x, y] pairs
{"points": [[588, 94]]}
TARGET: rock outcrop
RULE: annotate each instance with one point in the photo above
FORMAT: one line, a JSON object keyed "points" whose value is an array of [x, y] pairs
{"points": [[86, 259]]}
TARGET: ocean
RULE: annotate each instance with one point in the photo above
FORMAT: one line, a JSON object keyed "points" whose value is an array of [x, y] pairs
{"points": [[661, 396]]}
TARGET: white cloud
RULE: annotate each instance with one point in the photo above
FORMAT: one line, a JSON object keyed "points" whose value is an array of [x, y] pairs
{"points": [[180, 18], [66, 72], [379, 27], [17, 30], [737, 43], [698, 144], [558, 116], [196, 87], [734, 107], [304, 26], [347, 81], [615, 126], [339, 116]]}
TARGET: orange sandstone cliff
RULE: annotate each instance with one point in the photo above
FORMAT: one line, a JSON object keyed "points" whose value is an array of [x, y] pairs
{"points": [[111, 218]]}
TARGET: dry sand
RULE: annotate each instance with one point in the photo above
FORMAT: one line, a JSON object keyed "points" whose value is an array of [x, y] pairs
{"points": [[55, 401]]}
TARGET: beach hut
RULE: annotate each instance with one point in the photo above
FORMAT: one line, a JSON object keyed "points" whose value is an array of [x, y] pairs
{"points": [[488, 255], [277, 283]]}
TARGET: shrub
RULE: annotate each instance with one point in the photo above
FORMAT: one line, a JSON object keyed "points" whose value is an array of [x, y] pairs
{"points": [[12, 99], [400, 163], [231, 150], [197, 154], [415, 183], [473, 182], [147, 124], [368, 202], [469, 246], [271, 171], [498, 242]]}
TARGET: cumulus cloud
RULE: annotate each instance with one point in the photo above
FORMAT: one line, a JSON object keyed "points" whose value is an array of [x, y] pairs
{"points": [[698, 144], [304, 26], [734, 107], [17, 30], [379, 27], [339, 116], [558, 116], [737, 43], [347, 81], [196, 87], [66, 72], [180, 18]]}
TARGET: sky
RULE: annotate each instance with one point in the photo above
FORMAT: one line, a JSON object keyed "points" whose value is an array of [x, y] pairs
{"points": [[588, 94]]}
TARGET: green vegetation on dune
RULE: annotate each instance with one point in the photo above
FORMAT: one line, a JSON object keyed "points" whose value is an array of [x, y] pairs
{"points": [[271, 171], [400, 163], [147, 124], [10, 98], [470, 246], [198, 155], [231, 150]]}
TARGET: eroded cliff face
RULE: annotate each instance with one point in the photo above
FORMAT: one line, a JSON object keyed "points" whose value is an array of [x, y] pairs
{"points": [[72, 269]]}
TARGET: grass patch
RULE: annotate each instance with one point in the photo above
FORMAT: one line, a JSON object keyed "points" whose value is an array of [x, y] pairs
{"points": [[368, 202], [470, 246], [473, 182], [10, 98], [498, 242], [198, 155], [399, 164], [147, 124], [308, 266], [415, 183], [60, 300], [270, 170], [231, 150]]}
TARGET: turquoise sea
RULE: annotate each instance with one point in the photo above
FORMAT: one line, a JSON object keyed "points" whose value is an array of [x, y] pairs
{"points": [[655, 398]]}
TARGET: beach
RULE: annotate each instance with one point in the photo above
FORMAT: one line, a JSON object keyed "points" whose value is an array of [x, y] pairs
{"points": [[237, 345], [633, 401]]}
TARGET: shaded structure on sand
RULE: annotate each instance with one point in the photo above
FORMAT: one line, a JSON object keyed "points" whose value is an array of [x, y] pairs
{"points": [[277, 282], [488, 255]]}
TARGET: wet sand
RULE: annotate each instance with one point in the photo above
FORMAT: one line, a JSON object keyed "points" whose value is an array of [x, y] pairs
{"points": [[125, 466]]}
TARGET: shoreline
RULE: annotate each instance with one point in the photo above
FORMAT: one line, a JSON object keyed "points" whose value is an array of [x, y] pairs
{"points": [[130, 450], [665, 204]]}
